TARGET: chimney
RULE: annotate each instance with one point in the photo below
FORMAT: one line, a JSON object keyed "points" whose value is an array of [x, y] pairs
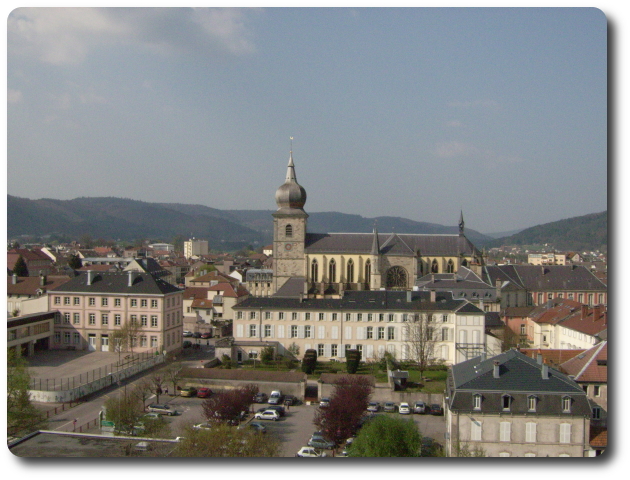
{"points": [[539, 358], [409, 296], [42, 279], [543, 270], [432, 296], [89, 277], [483, 356], [14, 279], [432, 278], [495, 371], [545, 372], [597, 311], [130, 279], [584, 312]]}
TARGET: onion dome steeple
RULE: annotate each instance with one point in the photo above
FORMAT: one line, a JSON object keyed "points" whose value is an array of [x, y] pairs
{"points": [[290, 196]]}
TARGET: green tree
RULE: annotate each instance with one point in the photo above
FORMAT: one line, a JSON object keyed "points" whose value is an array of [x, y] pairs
{"points": [[22, 416], [309, 362], [74, 262], [464, 450], [294, 349], [353, 358], [20, 268], [387, 436], [124, 410], [267, 354], [225, 441]]}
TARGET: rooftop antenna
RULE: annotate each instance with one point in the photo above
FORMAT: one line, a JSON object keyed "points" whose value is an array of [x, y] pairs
{"points": [[291, 138]]}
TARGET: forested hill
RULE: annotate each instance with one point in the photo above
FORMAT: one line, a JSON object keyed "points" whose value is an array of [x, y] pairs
{"points": [[585, 233]]}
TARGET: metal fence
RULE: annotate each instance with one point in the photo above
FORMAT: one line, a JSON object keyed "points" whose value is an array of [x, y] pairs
{"points": [[68, 383]]}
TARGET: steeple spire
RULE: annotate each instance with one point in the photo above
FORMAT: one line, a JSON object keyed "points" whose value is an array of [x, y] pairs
{"points": [[375, 243], [291, 196], [461, 222]]}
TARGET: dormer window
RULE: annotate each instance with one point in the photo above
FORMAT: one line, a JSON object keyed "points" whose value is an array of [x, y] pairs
{"points": [[506, 402], [477, 401], [566, 404], [532, 400]]}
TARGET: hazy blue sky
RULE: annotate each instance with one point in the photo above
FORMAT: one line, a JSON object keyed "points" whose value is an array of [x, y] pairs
{"points": [[404, 112]]}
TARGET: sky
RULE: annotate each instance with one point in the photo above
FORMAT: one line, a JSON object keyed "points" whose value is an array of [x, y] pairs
{"points": [[417, 113]]}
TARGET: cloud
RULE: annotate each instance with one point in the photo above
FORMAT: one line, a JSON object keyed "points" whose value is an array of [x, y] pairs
{"points": [[459, 150], [61, 36]]}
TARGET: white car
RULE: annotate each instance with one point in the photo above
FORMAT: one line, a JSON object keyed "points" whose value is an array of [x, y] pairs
{"points": [[203, 426], [267, 415], [325, 402], [309, 452], [404, 409]]}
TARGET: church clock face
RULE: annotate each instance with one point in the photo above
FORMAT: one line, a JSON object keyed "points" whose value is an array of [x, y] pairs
{"points": [[288, 247]]}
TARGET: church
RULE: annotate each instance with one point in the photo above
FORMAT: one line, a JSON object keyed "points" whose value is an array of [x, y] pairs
{"points": [[324, 265]]}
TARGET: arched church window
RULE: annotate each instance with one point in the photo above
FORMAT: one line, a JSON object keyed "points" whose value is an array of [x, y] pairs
{"points": [[368, 271], [332, 271], [288, 231], [314, 270], [434, 266], [450, 267], [464, 263], [350, 271], [396, 278]]}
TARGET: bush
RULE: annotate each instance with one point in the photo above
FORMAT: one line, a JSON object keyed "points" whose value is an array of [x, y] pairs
{"points": [[353, 358], [309, 362]]}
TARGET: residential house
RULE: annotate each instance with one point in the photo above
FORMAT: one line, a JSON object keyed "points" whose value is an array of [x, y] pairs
{"points": [[510, 405], [95, 305], [36, 261], [28, 295]]}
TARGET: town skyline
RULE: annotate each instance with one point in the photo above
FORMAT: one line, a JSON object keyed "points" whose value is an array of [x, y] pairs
{"points": [[158, 105]]}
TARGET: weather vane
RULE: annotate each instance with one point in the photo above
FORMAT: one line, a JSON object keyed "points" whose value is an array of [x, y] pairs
{"points": [[291, 138]]}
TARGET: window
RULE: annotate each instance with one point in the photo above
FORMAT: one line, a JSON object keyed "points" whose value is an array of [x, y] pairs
{"points": [[314, 271], [434, 266], [359, 317], [154, 304], [348, 317], [267, 315], [566, 404], [381, 333], [333, 350], [117, 320], [530, 432], [76, 338], [505, 431], [66, 318], [154, 320], [523, 329], [444, 318], [475, 431], [390, 333], [77, 301], [134, 302], [506, 401], [104, 319], [92, 319], [134, 319], [143, 341], [143, 303], [321, 317], [92, 302], [267, 330], [307, 316], [531, 403], [334, 317], [391, 317], [154, 341], [445, 334], [565, 433], [294, 316], [57, 300], [350, 271], [143, 320], [368, 271], [252, 315], [597, 413], [66, 300], [281, 316], [307, 331], [477, 401], [332, 271], [381, 317], [369, 317], [66, 337], [288, 231], [405, 317], [369, 334], [239, 315], [104, 302], [596, 390], [294, 331], [77, 319], [450, 267], [116, 302], [320, 350], [252, 330]]}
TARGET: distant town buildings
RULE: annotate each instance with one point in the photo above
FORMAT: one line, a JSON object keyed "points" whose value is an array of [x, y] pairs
{"points": [[195, 247]]}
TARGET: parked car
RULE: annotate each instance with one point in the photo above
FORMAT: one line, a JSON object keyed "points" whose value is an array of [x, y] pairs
{"points": [[278, 408], [187, 344], [162, 409], [325, 402], [419, 407], [435, 409], [309, 452], [203, 426], [404, 409], [389, 407], [151, 416], [256, 426], [188, 392], [268, 415], [374, 407], [206, 335], [260, 397], [204, 392], [188, 333], [317, 440], [275, 398], [429, 447], [290, 400], [197, 335]]}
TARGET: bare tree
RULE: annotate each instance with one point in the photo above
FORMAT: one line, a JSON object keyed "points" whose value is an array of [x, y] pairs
{"points": [[173, 374], [228, 405], [421, 336], [143, 391], [124, 338], [157, 382]]}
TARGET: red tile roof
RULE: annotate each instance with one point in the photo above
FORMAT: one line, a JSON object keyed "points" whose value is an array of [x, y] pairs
{"points": [[599, 437], [30, 285], [192, 293], [553, 357], [590, 366]]}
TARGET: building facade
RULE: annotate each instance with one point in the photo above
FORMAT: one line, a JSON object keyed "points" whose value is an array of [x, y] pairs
{"points": [[195, 247], [94, 305]]}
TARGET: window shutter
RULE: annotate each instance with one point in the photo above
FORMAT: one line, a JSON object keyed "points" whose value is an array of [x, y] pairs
{"points": [[312, 332], [360, 333], [530, 432], [301, 331], [370, 351], [335, 333], [239, 330], [348, 335], [505, 431], [307, 347], [475, 430], [342, 351], [273, 331], [565, 433], [327, 350], [280, 331], [321, 332]]}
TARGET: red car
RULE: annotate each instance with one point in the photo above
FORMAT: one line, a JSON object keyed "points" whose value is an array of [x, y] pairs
{"points": [[204, 392], [206, 335]]}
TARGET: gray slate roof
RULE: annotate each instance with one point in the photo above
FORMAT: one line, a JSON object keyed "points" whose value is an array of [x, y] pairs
{"points": [[555, 277], [376, 300], [390, 244], [109, 282]]}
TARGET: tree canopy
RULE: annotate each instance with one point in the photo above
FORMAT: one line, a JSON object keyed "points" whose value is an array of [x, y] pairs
{"points": [[22, 416], [387, 436], [20, 268], [226, 441]]}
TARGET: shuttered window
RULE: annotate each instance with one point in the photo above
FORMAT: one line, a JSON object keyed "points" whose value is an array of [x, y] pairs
{"points": [[475, 431], [565, 433], [530, 432], [505, 431]]}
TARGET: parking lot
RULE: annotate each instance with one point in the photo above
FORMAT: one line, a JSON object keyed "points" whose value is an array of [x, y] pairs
{"points": [[294, 429]]}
